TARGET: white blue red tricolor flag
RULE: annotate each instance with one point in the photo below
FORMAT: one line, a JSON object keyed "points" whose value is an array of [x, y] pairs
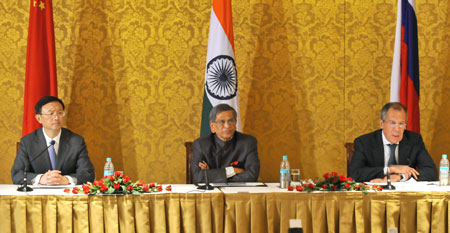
{"points": [[221, 84], [405, 65]]}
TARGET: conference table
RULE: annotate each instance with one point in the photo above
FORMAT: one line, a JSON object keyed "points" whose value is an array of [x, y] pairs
{"points": [[412, 207]]}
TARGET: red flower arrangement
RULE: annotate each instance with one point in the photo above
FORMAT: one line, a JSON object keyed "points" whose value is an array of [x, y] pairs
{"points": [[117, 184], [334, 182]]}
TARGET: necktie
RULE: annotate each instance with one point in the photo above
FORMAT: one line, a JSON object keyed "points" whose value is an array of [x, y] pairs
{"points": [[52, 154], [392, 154]]}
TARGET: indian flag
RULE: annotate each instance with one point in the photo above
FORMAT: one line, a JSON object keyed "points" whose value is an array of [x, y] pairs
{"points": [[221, 84]]}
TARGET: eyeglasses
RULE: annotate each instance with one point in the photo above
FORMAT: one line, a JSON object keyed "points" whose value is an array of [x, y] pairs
{"points": [[393, 124], [222, 122], [53, 114]]}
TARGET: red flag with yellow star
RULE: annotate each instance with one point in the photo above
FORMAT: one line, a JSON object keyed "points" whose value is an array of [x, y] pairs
{"points": [[40, 74]]}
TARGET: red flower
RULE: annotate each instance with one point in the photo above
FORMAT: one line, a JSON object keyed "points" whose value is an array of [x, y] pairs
{"points": [[118, 173], [380, 188], [111, 178], [350, 179], [299, 188], [140, 184], [103, 188], [334, 174], [326, 176], [116, 186], [160, 188], [335, 179], [169, 188], [151, 185], [357, 187], [305, 185], [347, 185], [342, 178], [145, 188], [67, 190], [95, 183], [130, 188], [85, 188], [324, 186], [311, 185], [333, 187], [75, 190], [126, 179], [290, 188], [101, 181]]}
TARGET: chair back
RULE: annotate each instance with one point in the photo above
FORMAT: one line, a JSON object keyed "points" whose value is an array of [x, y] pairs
{"points": [[17, 147], [189, 155], [349, 148]]}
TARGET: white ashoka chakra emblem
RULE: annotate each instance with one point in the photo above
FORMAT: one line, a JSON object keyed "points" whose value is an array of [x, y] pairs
{"points": [[221, 77]]}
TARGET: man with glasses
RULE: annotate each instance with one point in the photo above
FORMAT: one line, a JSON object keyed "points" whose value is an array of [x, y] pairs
{"points": [[392, 149], [53, 155], [225, 154]]}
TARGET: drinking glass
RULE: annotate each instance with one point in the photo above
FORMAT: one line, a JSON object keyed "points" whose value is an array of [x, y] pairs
{"points": [[295, 176]]}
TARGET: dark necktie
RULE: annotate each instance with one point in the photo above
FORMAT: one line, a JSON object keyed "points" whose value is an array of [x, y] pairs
{"points": [[52, 155], [392, 154]]}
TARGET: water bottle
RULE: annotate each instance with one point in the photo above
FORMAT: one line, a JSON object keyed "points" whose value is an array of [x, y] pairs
{"points": [[109, 167], [443, 171], [285, 175]]}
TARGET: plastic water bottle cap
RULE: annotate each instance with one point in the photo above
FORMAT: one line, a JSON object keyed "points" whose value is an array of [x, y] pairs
{"points": [[444, 156], [108, 159], [284, 157]]}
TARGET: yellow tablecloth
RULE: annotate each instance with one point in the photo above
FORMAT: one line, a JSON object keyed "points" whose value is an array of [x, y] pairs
{"points": [[260, 211]]}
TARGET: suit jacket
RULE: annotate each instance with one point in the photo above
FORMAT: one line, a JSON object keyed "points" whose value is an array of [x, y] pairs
{"points": [[368, 159], [72, 158], [241, 148]]}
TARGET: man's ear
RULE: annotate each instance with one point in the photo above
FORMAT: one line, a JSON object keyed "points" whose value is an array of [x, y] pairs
{"points": [[38, 118], [381, 123], [211, 126]]}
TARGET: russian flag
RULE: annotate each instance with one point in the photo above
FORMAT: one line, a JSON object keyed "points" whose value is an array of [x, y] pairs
{"points": [[405, 65]]}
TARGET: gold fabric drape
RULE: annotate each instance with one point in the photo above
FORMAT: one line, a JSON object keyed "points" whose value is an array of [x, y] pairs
{"points": [[229, 213]]}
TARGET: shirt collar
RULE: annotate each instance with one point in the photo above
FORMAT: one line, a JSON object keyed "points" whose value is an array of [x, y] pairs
{"points": [[49, 139]]}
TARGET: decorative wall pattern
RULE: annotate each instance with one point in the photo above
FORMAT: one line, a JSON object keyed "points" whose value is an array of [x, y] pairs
{"points": [[312, 76]]}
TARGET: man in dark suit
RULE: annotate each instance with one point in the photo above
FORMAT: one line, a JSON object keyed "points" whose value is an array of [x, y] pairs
{"points": [[392, 149], [225, 154], [64, 162]]}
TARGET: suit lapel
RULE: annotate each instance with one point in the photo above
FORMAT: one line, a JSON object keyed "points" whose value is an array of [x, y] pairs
{"points": [[404, 150], [39, 147], [63, 150], [379, 150]]}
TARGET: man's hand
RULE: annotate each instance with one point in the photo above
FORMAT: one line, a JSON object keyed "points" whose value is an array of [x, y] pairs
{"points": [[53, 178], [394, 178], [238, 170], [203, 165], [405, 170]]}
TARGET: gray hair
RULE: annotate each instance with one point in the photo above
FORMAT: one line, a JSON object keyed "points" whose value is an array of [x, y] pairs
{"points": [[394, 105], [220, 108]]}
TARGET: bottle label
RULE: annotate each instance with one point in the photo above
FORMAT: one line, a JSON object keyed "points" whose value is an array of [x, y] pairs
{"points": [[284, 170], [107, 173], [443, 168]]}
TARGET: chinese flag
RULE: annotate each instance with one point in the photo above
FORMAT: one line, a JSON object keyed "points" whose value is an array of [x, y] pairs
{"points": [[40, 74]]}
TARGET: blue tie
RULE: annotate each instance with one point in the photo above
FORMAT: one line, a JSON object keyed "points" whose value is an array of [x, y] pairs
{"points": [[52, 154], [392, 154]]}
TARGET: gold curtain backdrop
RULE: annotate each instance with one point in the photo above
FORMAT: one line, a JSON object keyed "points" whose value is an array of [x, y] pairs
{"points": [[312, 76]]}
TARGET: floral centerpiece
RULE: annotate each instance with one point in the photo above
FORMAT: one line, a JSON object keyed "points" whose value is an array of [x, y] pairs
{"points": [[117, 184], [334, 182]]}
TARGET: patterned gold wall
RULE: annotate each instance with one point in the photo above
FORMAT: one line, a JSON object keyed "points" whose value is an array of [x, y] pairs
{"points": [[312, 76]]}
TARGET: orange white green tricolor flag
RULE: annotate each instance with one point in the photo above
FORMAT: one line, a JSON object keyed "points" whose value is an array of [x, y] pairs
{"points": [[221, 84], [40, 74]]}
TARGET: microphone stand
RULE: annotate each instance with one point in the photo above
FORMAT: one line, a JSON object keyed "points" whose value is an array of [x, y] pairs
{"points": [[24, 187], [388, 186], [207, 186]]}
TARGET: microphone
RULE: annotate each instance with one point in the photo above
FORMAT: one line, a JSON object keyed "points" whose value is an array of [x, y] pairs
{"points": [[24, 187], [207, 186], [388, 186]]}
